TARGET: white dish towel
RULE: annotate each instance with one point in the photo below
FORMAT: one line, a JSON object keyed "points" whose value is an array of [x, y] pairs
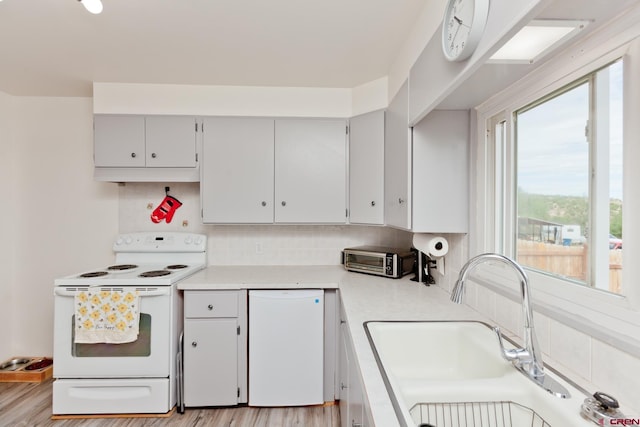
{"points": [[106, 315]]}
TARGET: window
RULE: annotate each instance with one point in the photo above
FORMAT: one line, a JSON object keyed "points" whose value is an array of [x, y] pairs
{"points": [[567, 199], [569, 181], [588, 304]]}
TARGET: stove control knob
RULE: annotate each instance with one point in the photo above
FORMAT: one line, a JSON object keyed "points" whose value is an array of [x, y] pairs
{"points": [[119, 241], [188, 240], [198, 240], [128, 240]]}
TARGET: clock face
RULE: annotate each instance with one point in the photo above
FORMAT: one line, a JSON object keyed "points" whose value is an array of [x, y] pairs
{"points": [[462, 27]]}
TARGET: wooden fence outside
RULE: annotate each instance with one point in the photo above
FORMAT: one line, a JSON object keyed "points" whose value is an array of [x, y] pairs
{"points": [[569, 261]]}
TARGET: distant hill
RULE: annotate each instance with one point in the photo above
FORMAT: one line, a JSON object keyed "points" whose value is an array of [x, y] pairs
{"points": [[567, 210]]}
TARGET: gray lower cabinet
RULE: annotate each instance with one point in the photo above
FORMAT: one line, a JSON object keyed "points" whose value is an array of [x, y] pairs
{"points": [[352, 405], [215, 348]]}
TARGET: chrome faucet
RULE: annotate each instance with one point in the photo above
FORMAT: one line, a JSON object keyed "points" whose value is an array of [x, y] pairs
{"points": [[528, 359]]}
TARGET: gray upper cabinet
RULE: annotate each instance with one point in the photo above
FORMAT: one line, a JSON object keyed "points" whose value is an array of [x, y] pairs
{"points": [[170, 141], [237, 170], [310, 171], [441, 173], [426, 169], [145, 148], [366, 168], [262, 170], [119, 141], [397, 161]]}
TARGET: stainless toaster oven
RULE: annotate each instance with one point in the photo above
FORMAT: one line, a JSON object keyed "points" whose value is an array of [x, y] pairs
{"points": [[380, 260]]}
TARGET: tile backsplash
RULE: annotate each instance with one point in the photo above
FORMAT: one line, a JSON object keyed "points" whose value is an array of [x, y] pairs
{"points": [[592, 364], [249, 244]]}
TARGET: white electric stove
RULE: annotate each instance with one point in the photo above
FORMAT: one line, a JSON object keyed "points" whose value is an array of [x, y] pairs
{"points": [[160, 259], [132, 377]]}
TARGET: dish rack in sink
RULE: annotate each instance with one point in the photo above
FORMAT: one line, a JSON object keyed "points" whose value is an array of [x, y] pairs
{"points": [[475, 414]]}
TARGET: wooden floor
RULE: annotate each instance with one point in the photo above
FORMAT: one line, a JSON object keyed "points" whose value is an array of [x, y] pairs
{"points": [[29, 405]]}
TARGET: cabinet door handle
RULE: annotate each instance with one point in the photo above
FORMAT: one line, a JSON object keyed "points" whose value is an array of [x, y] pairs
{"points": [[153, 155], [284, 203], [373, 203], [401, 200], [133, 155], [355, 424], [194, 344], [263, 203], [342, 386], [210, 307]]}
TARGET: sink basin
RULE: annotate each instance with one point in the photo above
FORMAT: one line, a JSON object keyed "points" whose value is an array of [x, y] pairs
{"points": [[455, 369], [438, 350]]}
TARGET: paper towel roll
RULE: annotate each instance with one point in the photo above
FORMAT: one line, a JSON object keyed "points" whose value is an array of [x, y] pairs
{"points": [[431, 244]]}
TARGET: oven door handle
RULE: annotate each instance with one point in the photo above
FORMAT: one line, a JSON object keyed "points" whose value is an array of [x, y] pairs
{"points": [[64, 292]]}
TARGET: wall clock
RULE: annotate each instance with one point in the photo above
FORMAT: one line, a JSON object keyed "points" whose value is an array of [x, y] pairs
{"points": [[462, 27]]}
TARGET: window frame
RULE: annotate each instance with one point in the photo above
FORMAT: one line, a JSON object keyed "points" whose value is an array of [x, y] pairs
{"points": [[597, 312], [597, 140]]}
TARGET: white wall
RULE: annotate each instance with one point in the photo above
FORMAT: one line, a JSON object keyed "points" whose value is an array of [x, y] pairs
{"points": [[125, 98], [129, 98], [62, 220], [7, 220], [370, 96], [422, 31]]}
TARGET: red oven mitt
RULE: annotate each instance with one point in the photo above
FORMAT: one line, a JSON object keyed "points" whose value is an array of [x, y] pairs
{"points": [[166, 210]]}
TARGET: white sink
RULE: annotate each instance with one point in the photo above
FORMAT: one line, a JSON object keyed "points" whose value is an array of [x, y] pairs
{"points": [[457, 368], [438, 350]]}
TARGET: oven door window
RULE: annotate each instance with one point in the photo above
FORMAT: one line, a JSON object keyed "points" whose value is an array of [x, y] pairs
{"points": [[139, 348]]}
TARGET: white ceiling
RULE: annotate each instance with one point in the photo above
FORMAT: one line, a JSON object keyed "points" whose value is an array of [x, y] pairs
{"points": [[57, 48]]}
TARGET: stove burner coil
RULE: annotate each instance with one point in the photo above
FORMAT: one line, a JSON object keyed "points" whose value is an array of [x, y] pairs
{"points": [[94, 274], [122, 267], [176, 266], [155, 273]]}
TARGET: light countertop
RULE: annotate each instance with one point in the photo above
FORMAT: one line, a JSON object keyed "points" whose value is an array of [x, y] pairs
{"points": [[267, 276], [364, 298], [367, 298]]}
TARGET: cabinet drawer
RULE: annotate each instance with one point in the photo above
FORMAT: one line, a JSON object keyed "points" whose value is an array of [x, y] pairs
{"points": [[210, 304]]}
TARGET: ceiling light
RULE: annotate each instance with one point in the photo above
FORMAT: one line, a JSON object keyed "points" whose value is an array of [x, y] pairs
{"points": [[537, 39], [93, 6]]}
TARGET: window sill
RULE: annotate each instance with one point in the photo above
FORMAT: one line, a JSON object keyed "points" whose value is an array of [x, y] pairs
{"points": [[606, 317]]}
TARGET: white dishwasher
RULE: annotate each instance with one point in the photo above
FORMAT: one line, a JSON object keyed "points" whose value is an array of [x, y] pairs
{"points": [[286, 347]]}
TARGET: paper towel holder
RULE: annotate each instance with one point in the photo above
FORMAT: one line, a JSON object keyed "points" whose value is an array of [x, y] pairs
{"points": [[422, 270]]}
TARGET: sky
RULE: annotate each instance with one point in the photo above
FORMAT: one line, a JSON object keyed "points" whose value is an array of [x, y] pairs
{"points": [[553, 152]]}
